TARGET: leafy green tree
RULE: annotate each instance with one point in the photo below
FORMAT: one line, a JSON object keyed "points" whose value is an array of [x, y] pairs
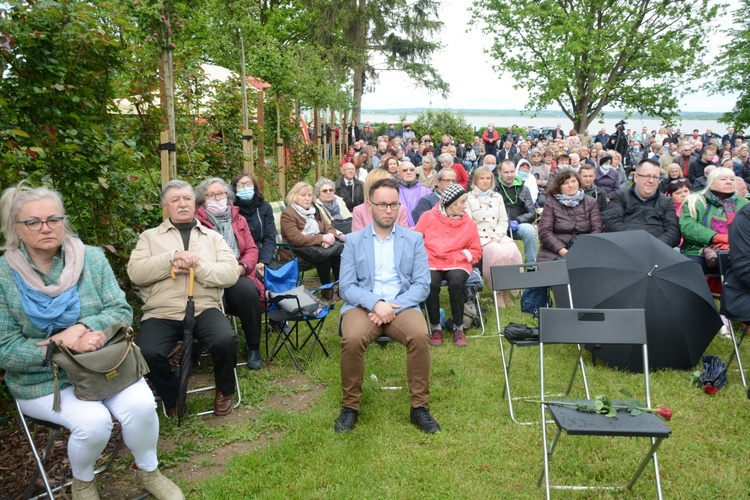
{"points": [[582, 55], [368, 37], [442, 122], [735, 73]]}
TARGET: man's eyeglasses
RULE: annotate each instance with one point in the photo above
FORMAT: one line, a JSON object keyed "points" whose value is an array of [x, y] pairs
{"points": [[247, 184], [216, 196], [654, 178], [385, 206], [408, 169], [36, 224]]}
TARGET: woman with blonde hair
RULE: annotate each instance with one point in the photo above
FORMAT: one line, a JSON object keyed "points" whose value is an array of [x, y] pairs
{"points": [[487, 209], [706, 217], [312, 239], [426, 171], [362, 216], [56, 289]]}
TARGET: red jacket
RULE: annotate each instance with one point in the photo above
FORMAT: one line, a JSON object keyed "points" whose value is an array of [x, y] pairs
{"points": [[492, 137], [450, 243], [462, 177], [245, 242]]}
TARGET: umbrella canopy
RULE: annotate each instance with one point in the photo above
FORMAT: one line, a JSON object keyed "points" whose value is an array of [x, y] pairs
{"points": [[186, 361], [632, 269]]}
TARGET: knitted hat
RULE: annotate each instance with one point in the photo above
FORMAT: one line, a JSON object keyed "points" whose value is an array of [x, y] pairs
{"points": [[451, 194]]}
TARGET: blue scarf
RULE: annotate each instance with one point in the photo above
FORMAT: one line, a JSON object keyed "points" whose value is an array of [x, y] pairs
{"points": [[47, 313], [570, 201]]}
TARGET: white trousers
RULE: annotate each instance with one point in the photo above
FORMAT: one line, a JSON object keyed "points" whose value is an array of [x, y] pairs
{"points": [[90, 424]]}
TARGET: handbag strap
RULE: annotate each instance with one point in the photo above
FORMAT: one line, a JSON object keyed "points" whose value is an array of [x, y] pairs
{"points": [[73, 359]]}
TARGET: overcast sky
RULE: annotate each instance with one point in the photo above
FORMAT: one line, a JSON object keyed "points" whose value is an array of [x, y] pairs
{"points": [[464, 65]]}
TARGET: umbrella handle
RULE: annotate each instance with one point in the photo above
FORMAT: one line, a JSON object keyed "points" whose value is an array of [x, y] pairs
{"points": [[191, 280]]}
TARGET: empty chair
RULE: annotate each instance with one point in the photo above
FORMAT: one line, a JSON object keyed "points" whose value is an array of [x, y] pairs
{"points": [[529, 275], [602, 326]]}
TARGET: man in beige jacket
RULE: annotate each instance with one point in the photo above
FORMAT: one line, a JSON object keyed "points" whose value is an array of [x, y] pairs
{"points": [[181, 243]]}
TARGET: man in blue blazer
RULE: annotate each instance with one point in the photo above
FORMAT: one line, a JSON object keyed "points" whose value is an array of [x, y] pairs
{"points": [[384, 277]]}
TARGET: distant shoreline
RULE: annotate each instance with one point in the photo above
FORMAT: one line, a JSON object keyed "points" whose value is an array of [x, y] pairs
{"points": [[545, 113]]}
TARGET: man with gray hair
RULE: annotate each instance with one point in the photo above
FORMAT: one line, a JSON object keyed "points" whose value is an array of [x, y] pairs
{"points": [[446, 177], [176, 247]]}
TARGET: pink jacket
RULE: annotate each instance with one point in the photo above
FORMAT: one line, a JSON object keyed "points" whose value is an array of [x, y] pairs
{"points": [[361, 217], [245, 242], [450, 243]]}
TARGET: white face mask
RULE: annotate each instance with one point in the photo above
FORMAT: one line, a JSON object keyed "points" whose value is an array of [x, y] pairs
{"points": [[216, 207]]}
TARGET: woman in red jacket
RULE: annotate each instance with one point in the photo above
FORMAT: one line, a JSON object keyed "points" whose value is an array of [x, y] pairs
{"points": [[215, 210], [451, 240]]}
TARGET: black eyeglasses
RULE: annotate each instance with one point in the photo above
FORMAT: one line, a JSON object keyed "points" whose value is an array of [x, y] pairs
{"points": [[385, 206], [35, 224]]}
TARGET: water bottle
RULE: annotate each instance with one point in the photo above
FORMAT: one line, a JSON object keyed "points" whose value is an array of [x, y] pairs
{"points": [[442, 317]]}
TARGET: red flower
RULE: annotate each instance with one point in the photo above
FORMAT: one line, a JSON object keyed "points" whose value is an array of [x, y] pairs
{"points": [[709, 389], [664, 412]]}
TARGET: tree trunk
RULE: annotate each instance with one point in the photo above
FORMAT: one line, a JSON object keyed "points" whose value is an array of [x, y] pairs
{"points": [[359, 66]]}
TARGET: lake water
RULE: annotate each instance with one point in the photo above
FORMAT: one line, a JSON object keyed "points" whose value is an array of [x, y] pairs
{"points": [[478, 121]]}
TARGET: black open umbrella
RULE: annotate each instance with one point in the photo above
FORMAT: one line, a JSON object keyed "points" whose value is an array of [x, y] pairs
{"points": [[632, 269], [186, 361]]}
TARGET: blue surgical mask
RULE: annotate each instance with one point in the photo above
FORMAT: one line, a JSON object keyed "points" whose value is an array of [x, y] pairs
{"points": [[523, 175], [245, 194], [605, 168]]}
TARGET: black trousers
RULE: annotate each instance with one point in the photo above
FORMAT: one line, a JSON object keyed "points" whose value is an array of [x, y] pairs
{"points": [[456, 279], [243, 300], [157, 337], [324, 269]]}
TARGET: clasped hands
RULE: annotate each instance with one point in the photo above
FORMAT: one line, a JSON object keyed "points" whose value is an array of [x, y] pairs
{"points": [[328, 240], [184, 261], [78, 337], [383, 313]]}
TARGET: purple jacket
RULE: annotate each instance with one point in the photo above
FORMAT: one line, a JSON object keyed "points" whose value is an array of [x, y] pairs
{"points": [[409, 197]]}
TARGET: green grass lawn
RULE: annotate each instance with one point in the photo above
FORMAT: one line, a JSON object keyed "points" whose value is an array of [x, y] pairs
{"points": [[480, 453]]}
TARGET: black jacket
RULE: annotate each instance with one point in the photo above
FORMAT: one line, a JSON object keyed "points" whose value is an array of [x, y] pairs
{"points": [[259, 216], [735, 296], [626, 212], [352, 196]]}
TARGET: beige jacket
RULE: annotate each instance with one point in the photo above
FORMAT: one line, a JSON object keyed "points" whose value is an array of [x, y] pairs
{"points": [[490, 216], [151, 262]]}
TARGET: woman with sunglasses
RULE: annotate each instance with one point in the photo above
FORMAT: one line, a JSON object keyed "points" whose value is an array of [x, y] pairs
{"points": [[410, 190]]}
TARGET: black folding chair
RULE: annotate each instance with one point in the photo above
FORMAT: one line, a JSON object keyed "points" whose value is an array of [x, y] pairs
{"points": [[530, 275], [601, 326], [40, 458]]}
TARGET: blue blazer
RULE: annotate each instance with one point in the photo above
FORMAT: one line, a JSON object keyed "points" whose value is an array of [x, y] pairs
{"points": [[357, 275]]}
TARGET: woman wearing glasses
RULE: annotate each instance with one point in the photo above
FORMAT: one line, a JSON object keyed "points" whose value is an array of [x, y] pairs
{"points": [[214, 209], [259, 216], [54, 288], [312, 239], [706, 217], [410, 190], [332, 208]]}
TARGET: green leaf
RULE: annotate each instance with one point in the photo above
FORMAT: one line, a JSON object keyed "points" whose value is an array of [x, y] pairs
{"points": [[19, 133]]}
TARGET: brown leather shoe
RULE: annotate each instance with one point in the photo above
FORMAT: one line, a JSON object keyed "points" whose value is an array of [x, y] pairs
{"points": [[223, 404]]}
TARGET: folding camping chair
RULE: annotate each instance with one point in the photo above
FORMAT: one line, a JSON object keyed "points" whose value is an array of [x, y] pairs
{"points": [[40, 458], [288, 303], [737, 337], [530, 275], [277, 207], [601, 326]]}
